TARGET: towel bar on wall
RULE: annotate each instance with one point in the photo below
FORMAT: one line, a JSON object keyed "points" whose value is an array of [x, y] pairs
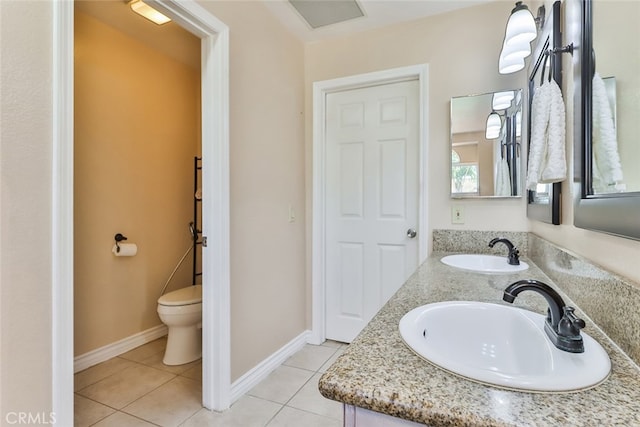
{"points": [[564, 49]]}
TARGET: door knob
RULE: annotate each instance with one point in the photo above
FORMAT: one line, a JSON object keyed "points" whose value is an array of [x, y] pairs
{"points": [[411, 233]]}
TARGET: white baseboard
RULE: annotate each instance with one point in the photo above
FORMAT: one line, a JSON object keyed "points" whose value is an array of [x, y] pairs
{"points": [[114, 349], [264, 368]]}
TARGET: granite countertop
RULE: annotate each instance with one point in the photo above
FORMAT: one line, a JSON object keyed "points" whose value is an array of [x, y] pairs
{"points": [[380, 373]]}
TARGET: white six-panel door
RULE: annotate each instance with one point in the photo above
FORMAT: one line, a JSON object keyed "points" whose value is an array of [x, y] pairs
{"points": [[372, 173]]}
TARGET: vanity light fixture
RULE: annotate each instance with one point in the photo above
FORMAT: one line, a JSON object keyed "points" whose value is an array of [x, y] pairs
{"points": [[146, 11], [515, 51], [502, 100], [521, 27], [494, 125], [507, 66]]}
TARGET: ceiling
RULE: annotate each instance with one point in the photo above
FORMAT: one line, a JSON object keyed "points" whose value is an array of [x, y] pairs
{"points": [[377, 13], [170, 38], [185, 47]]}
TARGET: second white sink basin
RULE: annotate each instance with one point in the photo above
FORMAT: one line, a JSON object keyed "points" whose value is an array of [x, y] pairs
{"points": [[483, 263], [500, 345]]}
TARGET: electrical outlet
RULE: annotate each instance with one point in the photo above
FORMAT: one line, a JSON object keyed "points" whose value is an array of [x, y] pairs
{"points": [[457, 215]]}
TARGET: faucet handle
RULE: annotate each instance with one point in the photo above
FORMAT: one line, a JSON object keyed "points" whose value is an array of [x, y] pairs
{"points": [[514, 256], [570, 325]]}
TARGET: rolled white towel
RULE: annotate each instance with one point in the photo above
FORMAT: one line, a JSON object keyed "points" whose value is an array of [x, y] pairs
{"points": [[547, 152], [607, 169], [555, 161], [503, 179], [537, 143]]}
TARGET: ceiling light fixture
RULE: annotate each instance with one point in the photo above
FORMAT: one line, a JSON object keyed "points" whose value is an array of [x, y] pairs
{"points": [[146, 11]]}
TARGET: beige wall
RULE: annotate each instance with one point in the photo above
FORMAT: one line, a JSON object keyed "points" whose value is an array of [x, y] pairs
{"points": [[25, 206], [267, 175], [136, 133]]}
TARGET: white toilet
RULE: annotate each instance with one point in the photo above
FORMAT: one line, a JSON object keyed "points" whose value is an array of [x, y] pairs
{"points": [[181, 311]]}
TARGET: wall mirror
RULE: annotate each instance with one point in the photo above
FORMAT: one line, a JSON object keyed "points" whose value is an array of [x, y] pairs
{"points": [[485, 145], [543, 203], [607, 107]]}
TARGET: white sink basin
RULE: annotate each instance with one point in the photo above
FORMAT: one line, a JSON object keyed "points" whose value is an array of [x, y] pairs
{"points": [[502, 346], [483, 263]]}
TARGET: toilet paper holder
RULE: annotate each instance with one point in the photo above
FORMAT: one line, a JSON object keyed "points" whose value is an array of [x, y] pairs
{"points": [[119, 238]]}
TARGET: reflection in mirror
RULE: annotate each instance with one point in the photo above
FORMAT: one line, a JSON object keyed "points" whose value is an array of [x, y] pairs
{"points": [[485, 145], [606, 122], [616, 82]]}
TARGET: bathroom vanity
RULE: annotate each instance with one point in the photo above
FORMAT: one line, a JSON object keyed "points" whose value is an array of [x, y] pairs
{"points": [[382, 382]]}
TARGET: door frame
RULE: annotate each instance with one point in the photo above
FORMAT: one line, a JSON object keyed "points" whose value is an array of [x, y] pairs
{"points": [[418, 72], [216, 383]]}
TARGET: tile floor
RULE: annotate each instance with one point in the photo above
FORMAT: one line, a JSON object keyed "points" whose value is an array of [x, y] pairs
{"points": [[137, 389]]}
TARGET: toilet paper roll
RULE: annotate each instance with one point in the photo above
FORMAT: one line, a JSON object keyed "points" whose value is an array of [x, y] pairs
{"points": [[126, 249]]}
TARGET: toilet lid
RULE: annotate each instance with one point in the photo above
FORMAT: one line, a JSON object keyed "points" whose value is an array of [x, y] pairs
{"points": [[184, 296]]}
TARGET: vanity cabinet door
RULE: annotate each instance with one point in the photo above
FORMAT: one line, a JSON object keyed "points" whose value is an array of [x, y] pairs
{"points": [[360, 417]]}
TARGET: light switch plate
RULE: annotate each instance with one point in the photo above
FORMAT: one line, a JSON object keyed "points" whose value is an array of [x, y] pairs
{"points": [[457, 215]]}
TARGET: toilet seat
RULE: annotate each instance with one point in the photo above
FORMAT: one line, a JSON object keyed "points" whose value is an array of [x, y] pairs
{"points": [[176, 310], [185, 296]]}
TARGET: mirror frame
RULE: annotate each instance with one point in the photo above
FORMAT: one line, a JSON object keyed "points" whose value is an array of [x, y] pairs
{"points": [[550, 35], [613, 213]]}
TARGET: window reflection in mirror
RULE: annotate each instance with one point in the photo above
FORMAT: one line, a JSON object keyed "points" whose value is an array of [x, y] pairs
{"points": [[616, 97], [464, 176], [485, 151]]}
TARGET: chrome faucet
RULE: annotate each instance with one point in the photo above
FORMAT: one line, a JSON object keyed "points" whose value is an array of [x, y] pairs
{"points": [[514, 253], [562, 326]]}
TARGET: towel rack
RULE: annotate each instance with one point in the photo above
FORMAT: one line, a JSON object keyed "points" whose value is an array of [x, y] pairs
{"points": [[197, 166], [563, 49]]}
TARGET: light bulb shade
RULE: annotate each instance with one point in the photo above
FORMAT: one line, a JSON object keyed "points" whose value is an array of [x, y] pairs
{"points": [[143, 9], [521, 27], [494, 125], [510, 66], [502, 100], [515, 50]]}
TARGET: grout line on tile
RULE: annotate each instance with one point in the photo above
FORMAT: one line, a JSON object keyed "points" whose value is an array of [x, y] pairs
{"points": [[98, 402], [149, 392], [103, 378]]}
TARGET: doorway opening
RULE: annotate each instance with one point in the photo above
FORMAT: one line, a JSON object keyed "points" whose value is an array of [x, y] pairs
{"points": [[215, 206]]}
